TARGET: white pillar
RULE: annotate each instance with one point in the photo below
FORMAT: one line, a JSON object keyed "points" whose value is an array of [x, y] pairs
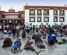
{"points": [[35, 16], [65, 20], [51, 17], [59, 17], [42, 16], [26, 16]]}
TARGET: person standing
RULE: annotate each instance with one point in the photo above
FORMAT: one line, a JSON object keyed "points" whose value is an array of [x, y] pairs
{"points": [[23, 34]]}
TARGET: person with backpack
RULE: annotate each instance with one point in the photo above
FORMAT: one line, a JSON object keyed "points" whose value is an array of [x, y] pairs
{"points": [[16, 45], [52, 38]]}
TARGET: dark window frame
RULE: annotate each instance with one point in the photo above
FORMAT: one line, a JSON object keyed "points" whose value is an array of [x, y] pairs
{"points": [[38, 11], [60, 18], [46, 18], [61, 12], [30, 19], [40, 19], [31, 11], [55, 12], [55, 19], [47, 12]]}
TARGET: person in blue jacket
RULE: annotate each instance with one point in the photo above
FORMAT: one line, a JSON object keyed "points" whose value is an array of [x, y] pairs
{"points": [[52, 38], [16, 45]]}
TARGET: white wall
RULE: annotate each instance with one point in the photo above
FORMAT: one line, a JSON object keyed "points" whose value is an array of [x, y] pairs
{"points": [[26, 16], [65, 17], [50, 18]]}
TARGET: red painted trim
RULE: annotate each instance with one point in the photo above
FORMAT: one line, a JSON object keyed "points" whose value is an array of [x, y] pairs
{"points": [[11, 14]]}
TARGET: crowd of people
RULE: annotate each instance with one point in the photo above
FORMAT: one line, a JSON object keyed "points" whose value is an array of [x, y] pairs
{"points": [[37, 37]]}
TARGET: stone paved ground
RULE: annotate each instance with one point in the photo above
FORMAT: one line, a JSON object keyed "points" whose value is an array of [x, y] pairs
{"points": [[54, 50]]}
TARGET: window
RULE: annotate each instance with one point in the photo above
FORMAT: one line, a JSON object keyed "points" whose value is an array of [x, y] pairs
{"points": [[19, 16], [16, 21], [46, 12], [10, 21], [61, 12], [46, 19], [55, 12], [0, 26], [39, 19], [39, 12], [4, 21], [55, 19], [1, 21], [61, 19], [32, 19], [3, 16], [32, 12]]}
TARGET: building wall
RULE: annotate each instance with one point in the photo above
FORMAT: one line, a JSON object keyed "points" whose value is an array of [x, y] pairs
{"points": [[50, 18], [65, 17], [11, 17], [26, 16], [11, 20]]}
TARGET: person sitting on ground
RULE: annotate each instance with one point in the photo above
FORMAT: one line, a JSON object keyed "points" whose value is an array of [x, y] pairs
{"points": [[7, 43], [52, 38], [29, 45], [40, 45], [16, 45]]}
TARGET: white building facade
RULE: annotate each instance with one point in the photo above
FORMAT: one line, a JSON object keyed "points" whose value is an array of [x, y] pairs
{"points": [[37, 15]]}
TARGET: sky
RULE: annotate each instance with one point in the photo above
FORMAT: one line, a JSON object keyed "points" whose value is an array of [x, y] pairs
{"points": [[7, 4], [18, 4]]}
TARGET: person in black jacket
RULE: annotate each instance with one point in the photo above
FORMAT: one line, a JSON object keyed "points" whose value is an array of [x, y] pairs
{"points": [[14, 32], [37, 38], [24, 34]]}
